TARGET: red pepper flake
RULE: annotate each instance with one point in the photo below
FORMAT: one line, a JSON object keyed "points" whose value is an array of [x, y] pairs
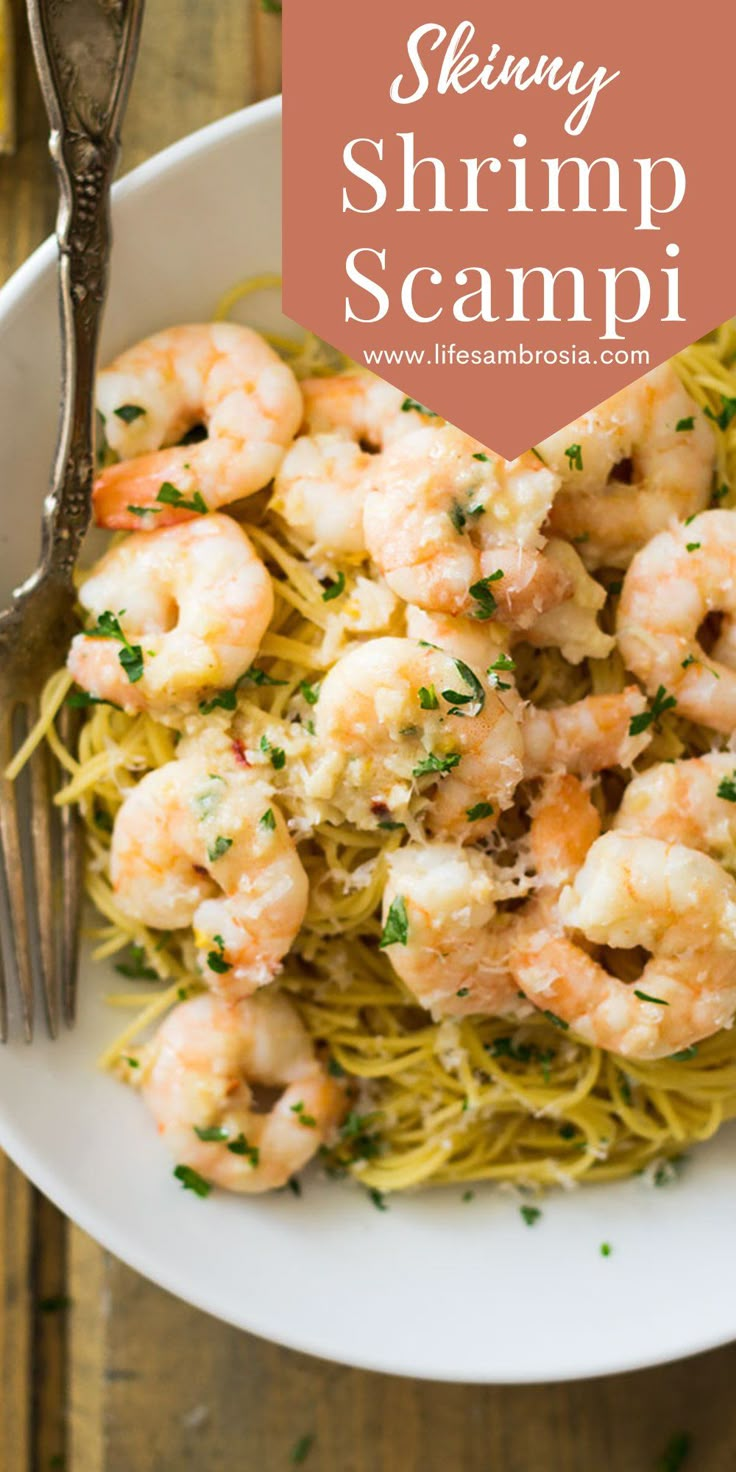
{"points": [[238, 751]]}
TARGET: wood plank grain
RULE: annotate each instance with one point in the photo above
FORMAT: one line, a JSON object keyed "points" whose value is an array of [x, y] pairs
{"points": [[16, 1315]]}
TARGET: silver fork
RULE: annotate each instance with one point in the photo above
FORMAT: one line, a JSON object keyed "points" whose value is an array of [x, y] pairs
{"points": [[85, 52]]}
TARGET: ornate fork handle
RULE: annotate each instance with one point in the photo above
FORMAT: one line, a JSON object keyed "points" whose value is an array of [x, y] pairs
{"points": [[84, 51]]}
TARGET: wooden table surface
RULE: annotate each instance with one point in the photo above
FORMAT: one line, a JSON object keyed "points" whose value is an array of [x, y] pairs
{"points": [[99, 1370]]}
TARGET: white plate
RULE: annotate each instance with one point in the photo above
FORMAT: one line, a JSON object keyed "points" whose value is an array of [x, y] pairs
{"points": [[431, 1287]]}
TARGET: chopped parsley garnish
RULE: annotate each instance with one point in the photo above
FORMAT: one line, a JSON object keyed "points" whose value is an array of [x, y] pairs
{"points": [[80, 699], [310, 692], [574, 455], [530, 1214], [333, 590], [476, 697], [206, 802], [259, 677], [433, 763], [413, 404], [143, 510], [669, 1170], [686, 663], [727, 788], [428, 697], [675, 1454], [306, 1119], [131, 1062], [555, 1020], [277, 753], [390, 825], [457, 517], [481, 592], [662, 702], [463, 991], [170, 496], [480, 456], [644, 997], [719, 493], [212, 1134], [540, 457], [396, 930], [683, 424], [504, 664], [606, 1249], [267, 821], [693, 546], [136, 969], [468, 1196], [335, 1069], [218, 848], [481, 810], [301, 1448], [726, 413], [584, 537], [567, 1132], [378, 1199], [191, 1180], [216, 958], [129, 413], [240, 1146], [131, 655], [684, 1054]]}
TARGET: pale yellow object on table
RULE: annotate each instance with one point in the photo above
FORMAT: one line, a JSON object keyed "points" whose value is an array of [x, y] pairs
{"points": [[7, 79]]}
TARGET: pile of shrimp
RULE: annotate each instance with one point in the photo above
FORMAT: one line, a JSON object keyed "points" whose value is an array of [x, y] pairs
{"points": [[411, 770]]}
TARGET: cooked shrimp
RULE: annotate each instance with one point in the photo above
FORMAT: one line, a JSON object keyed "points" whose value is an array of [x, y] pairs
{"points": [[629, 466], [691, 802], [361, 407], [197, 845], [320, 491], [391, 714], [455, 529], [585, 737], [198, 1078], [453, 957], [190, 605], [672, 585], [564, 826], [632, 891], [453, 944], [478, 644], [572, 626], [217, 374]]}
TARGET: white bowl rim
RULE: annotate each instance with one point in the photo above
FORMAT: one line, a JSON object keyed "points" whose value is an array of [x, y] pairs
{"points": [[32, 1162]]}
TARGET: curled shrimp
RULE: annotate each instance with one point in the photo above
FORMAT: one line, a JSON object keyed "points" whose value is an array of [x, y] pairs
{"points": [[320, 492], [629, 466], [452, 956], [691, 802], [395, 719], [454, 528], [585, 737], [204, 845], [189, 604], [683, 575], [213, 373], [632, 891], [198, 1078], [448, 942], [360, 407]]}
